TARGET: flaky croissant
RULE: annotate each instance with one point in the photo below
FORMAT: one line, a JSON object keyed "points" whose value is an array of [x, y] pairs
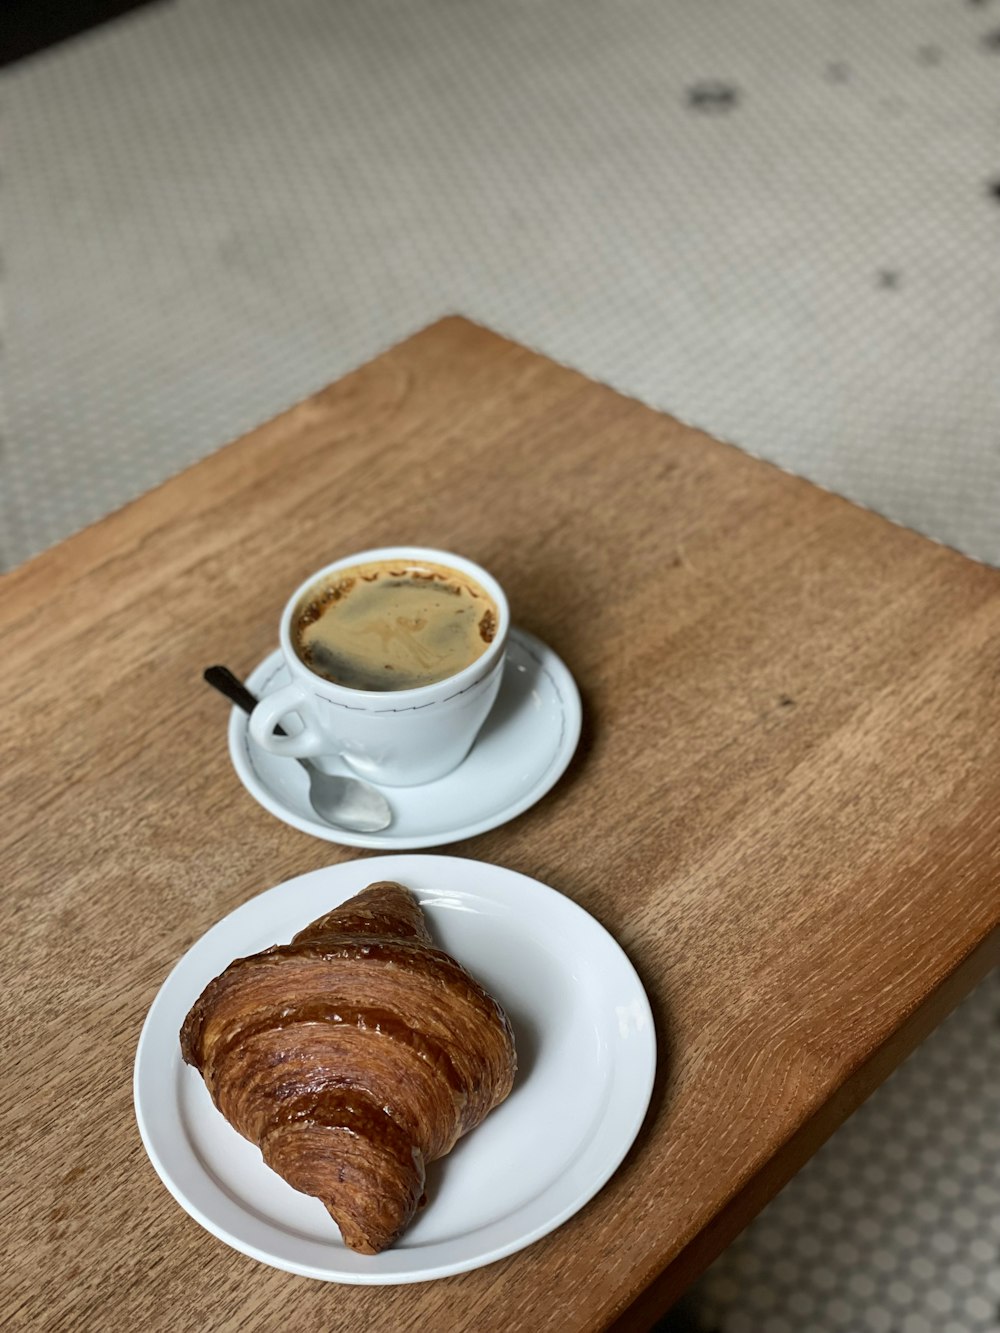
{"points": [[352, 1057]]}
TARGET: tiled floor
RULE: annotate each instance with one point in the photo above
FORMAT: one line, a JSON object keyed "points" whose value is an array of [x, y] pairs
{"points": [[779, 220]]}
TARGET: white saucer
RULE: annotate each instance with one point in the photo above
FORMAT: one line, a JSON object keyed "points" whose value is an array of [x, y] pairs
{"points": [[521, 752], [586, 1058]]}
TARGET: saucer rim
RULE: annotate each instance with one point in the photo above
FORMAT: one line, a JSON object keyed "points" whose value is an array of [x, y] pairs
{"points": [[567, 692]]}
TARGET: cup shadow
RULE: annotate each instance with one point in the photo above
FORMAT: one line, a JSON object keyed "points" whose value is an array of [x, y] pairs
{"points": [[530, 672]]}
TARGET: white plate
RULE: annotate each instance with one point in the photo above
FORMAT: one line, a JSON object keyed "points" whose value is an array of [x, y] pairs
{"points": [[521, 752], [586, 1052]]}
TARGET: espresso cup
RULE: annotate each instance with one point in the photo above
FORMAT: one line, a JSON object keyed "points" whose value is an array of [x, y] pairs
{"points": [[396, 737]]}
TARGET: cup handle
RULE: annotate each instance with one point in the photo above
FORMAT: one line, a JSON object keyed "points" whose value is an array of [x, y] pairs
{"points": [[269, 712]]}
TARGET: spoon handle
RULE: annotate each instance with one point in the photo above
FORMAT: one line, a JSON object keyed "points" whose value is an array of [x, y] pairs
{"points": [[233, 688]]}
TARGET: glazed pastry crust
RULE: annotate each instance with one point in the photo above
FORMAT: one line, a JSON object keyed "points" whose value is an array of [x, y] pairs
{"points": [[352, 1057]]}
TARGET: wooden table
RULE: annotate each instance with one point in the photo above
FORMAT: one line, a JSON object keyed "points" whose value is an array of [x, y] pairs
{"points": [[785, 805]]}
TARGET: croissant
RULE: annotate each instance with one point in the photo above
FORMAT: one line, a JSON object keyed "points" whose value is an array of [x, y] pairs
{"points": [[352, 1057]]}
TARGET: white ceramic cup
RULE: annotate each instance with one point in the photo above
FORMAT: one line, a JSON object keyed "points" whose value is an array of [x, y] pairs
{"points": [[400, 737]]}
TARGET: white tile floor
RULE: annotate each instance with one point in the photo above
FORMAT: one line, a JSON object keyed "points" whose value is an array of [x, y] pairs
{"points": [[777, 219]]}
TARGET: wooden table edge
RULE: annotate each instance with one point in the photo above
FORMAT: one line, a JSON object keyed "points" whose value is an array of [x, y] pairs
{"points": [[663, 1289], [38, 565]]}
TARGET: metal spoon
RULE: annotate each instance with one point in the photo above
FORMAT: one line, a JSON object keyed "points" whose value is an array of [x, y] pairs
{"points": [[346, 803]]}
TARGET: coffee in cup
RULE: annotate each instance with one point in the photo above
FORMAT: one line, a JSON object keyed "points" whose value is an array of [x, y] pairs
{"points": [[393, 625], [393, 659]]}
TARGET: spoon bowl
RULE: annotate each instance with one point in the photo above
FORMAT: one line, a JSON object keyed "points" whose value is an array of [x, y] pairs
{"points": [[347, 803], [342, 802]]}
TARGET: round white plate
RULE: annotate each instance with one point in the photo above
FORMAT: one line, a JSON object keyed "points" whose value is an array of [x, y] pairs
{"points": [[586, 1057], [521, 752]]}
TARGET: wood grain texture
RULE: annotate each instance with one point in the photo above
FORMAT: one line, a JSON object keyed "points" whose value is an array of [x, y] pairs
{"points": [[786, 806]]}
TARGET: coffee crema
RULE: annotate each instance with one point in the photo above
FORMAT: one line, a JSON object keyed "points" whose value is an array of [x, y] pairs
{"points": [[393, 625]]}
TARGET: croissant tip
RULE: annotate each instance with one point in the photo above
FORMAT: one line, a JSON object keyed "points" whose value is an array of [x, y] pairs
{"points": [[361, 1244]]}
